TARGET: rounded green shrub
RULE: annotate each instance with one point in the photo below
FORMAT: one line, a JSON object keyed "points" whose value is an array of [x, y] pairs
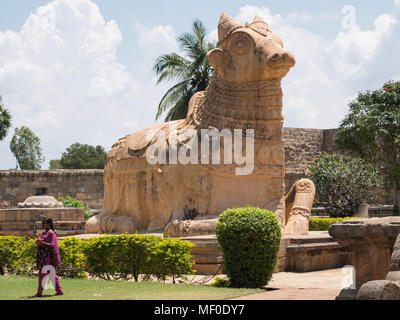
{"points": [[250, 240]]}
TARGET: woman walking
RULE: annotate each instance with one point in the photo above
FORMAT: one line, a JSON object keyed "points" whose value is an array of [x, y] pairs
{"points": [[48, 257]]}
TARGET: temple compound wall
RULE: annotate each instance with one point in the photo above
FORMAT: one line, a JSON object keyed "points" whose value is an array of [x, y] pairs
{"points": [[302, 148]]}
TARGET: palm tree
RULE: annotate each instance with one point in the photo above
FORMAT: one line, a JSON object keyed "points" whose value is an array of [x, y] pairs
{"points": [[5, 120], [192, 71]]}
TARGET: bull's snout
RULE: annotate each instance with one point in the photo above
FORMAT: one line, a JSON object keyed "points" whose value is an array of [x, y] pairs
{"points": [[279, 60]]}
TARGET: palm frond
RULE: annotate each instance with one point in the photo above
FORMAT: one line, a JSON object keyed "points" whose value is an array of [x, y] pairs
{"points": [[171, 97], [192, 71], [171, 66]]}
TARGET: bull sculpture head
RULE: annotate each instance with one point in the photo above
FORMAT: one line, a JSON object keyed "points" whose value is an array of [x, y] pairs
{"points": [[249, 53]]}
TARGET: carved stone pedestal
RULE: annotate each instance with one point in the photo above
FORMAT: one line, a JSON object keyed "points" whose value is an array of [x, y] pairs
{"points": [[371, 241]]}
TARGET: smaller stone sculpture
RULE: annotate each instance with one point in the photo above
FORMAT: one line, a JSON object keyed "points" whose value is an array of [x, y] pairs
{"points": [[371, 242], [388, 289], [299, 201], [40, 202]]}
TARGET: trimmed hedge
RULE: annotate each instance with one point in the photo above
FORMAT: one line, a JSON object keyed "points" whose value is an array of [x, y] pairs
{"points": [[105, 257], [323, 224], [250, 241]]}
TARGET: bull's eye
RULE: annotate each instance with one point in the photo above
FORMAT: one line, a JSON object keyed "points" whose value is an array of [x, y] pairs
{"points": [[241, 46]]}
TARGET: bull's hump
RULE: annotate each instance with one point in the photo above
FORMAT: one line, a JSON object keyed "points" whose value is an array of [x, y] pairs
{"points": [[141, 139]]}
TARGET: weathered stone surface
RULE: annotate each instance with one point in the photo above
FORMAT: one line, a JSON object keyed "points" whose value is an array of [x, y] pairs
{"points": [[395, 259], [299, 201], [379, 290], [67, 221], [393, 276], [244, 93], [190, 228], [40, 202], [371, 241], [380, 232]]}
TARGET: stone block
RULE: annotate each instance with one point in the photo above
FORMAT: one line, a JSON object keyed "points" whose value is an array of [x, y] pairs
{"points": [[11, 215], [203, 268], [393, 276], [19, 215], [379, 290], [26, 215]]}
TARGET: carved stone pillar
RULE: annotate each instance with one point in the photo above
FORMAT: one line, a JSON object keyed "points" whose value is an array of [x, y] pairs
{"points": [[299, 201]]}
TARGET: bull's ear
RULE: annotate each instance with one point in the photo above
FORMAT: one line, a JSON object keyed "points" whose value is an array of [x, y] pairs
{"points": [[220, 59], [217, 59]]}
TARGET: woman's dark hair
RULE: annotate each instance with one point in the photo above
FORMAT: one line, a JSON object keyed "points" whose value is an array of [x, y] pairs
{"points": [[49, 222]]}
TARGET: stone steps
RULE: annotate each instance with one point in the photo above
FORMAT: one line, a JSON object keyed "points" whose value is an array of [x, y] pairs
{"points": [[316, 251], [207, 255], [20, 221], [35, 214], [60, 233]]}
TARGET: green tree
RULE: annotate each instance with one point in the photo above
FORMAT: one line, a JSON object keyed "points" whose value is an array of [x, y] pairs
{"points": [[83, 156], [192, 71], [5, 120], [371, 130], [25, 146], [342, 184], [55, 164]]}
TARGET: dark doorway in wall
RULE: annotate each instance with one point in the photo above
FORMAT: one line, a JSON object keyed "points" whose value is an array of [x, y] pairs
{"points": [[41, 192]]}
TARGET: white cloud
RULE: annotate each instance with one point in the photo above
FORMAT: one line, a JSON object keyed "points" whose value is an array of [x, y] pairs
{"points": [[60, 76], [330, 72]]}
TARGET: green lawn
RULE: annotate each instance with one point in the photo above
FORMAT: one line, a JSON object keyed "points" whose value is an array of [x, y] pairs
{"points": [[21, 288]]}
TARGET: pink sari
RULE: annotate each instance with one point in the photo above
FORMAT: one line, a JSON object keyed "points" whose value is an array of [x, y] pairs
{"points": [[48, 256]]}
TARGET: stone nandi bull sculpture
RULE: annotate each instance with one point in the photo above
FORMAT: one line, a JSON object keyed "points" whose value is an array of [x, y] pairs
{"points": [[186, 199]]}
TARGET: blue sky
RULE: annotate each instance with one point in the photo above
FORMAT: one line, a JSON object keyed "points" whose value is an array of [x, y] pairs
{"points": [[87, 78]]}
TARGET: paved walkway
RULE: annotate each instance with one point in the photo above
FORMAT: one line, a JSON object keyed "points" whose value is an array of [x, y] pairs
{"points": [[315, 285]]}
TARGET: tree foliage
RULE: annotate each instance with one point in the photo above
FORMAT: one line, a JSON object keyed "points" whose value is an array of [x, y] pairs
{"points": [[25, 146], [5, 120], [192, 72], [83, 156], [371, 129], [342, 184]]}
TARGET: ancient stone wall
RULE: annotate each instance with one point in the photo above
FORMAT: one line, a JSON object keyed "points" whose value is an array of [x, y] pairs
{"points": [[302, 148], [84, 185]]}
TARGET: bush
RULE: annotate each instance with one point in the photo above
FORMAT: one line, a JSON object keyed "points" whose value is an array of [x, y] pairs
{"points": [[250, 240], [72, 257], [70, 202], [343, 184], [11, 254], [106, 257], [220, 282], [323, 224], [120, 256], [172, 258]]}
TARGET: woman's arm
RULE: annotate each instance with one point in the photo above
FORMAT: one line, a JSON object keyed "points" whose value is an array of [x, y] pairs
{"points": [[44, 243]]}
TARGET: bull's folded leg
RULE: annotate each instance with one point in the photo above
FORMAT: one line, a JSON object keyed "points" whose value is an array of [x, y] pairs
{"points": [[111, 224]]}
